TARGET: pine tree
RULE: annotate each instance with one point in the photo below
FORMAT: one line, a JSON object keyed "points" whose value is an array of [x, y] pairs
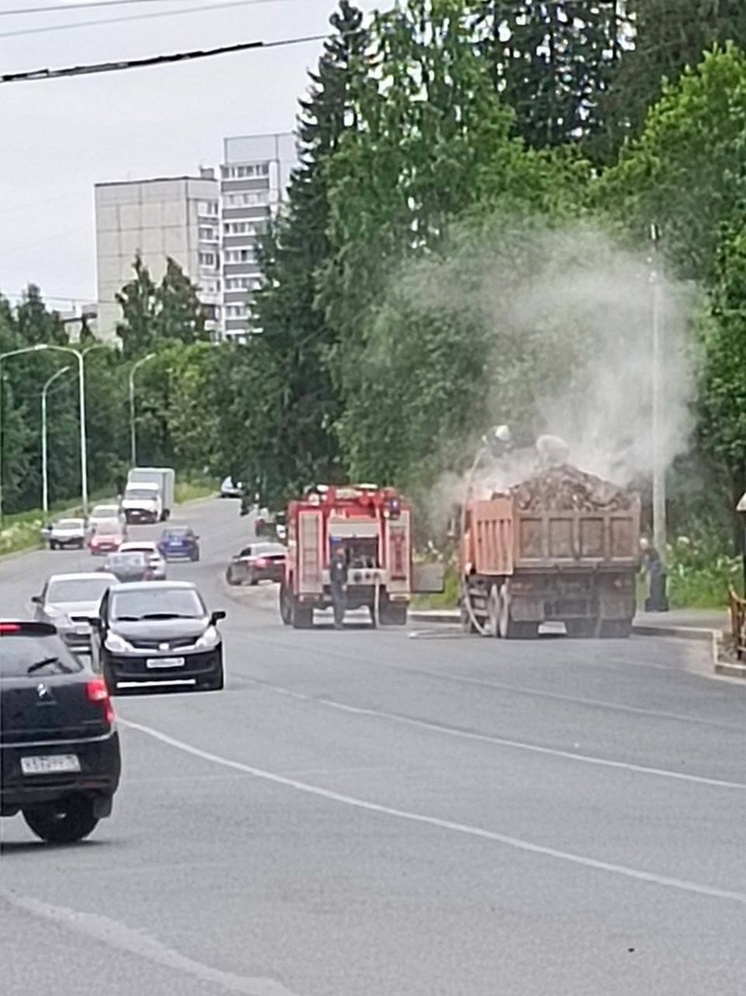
{"points": [[552, 63], [669, 35], [295, 339], [181, 315], [138, 302]]}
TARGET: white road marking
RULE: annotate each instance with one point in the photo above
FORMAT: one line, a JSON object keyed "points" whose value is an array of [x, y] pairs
{"points": [[499, 686], [108, 931], [665, 881], [452, 731]]}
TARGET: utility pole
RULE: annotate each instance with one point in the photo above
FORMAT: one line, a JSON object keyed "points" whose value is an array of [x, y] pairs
{"points": [[659, 465]]}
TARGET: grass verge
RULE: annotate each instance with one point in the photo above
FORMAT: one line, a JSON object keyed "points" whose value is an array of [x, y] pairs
{"points": [[22, 532]]}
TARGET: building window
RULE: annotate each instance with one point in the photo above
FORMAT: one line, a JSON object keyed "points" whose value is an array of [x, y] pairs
{"points": [[263, 169], [207, 234], [207, 259], [207, 208]]}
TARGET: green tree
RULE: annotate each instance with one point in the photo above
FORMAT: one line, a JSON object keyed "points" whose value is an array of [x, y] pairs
{"points": [[670, 36], [297, 395], [180, 313], [138, 300], [686, 171], [552, 62]]}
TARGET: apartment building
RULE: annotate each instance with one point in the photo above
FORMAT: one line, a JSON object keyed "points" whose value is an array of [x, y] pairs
{"points": [[254, 177], [175, 217]]}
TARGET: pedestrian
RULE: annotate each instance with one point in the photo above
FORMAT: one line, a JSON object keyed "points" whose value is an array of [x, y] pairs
{"points": [[338, 585]]}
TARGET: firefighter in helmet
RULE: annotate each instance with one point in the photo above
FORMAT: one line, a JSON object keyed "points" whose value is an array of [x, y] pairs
{"points": [[338, 584]]}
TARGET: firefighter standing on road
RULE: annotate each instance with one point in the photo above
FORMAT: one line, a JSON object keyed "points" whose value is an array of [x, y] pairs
{"points": [[338, 584]]}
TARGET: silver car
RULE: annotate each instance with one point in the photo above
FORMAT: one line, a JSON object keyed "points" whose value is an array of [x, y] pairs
{"points": [[70, 601], [66, 534], [155, 558], [105, 513]]}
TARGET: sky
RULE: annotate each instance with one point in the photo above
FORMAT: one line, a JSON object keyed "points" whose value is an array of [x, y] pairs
{"points": [[60, 137]]}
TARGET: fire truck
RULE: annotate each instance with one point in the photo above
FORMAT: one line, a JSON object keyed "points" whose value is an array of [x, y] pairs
{"points": [[374, 528]]}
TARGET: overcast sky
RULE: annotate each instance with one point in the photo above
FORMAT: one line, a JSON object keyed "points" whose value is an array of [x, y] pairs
{"points": [[59, 137]]}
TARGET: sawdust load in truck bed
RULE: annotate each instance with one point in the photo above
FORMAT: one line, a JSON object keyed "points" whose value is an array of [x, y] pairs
{"points": [[567, 489]]}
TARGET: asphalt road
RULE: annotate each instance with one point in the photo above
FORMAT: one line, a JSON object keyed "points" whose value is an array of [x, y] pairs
{"points": [[392, 813]]}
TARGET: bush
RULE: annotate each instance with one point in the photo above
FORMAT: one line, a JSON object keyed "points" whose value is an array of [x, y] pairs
{"points": [[700, 574]]}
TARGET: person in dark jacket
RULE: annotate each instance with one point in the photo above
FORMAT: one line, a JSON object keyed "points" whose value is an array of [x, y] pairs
{"points": [[338, 585]]}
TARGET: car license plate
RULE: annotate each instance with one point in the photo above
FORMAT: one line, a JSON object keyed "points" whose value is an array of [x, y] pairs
{"points": [[165, 662], [54, 764]]}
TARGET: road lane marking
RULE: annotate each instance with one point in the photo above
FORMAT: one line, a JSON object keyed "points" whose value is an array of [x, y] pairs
{"points": [[518, 844], [111, 932], [497, 685], [453, 731]]}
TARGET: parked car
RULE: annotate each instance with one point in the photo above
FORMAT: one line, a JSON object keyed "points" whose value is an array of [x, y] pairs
{"points": [[59, 748], [229, 489], [258, 562], [129, 566], [67, 534], [179, 543], [158, 631], [69, 602], [151, 551], [107, 537]]}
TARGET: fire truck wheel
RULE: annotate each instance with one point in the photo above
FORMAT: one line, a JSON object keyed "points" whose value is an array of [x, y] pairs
{"points": [[286, 609], [302, 616], [393, 615]]}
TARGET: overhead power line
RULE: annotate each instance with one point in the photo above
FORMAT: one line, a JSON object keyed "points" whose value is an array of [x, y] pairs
{"points": [[154, 60], [127, 18], [86, 5]]}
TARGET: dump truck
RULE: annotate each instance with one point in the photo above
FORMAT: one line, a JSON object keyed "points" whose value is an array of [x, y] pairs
{"points": [[562, 546], [374, 527]]}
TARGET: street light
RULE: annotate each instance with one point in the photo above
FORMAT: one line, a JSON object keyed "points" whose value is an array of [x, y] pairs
{"points": [[44, 460], [133, 428]]}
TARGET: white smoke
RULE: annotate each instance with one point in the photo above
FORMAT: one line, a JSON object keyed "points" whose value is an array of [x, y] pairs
{"points": [[572, 317]]}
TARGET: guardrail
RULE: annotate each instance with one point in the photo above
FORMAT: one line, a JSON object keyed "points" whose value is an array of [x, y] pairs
{"points": [[738, 622]]}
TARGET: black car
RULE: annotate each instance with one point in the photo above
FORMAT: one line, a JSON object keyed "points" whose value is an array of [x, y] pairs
{"points": [[59, 746], [158, 631], [130, 566], [258, 562]]}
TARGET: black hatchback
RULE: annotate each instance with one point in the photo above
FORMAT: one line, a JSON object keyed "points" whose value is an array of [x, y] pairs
{"points": [[156, 632], [59, 747]]}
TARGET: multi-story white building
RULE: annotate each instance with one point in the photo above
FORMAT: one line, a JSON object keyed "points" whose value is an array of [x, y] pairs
{"points": [[254, 177], [175, 217]]}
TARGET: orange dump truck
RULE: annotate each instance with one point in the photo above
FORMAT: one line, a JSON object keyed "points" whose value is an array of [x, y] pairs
{"points": [[562, 546]]}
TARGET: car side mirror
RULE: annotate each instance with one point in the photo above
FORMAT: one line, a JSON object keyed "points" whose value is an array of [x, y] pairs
{"points": [[96, 622], [217, 616], [36, 600]]}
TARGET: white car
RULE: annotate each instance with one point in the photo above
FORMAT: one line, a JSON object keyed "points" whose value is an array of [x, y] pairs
{"points": [[105, 513], [67, 533], [150, 549], [229, 489], [70, 601]]}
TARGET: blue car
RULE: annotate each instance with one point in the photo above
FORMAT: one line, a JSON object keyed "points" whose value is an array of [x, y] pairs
{"points": [[179, 543]]}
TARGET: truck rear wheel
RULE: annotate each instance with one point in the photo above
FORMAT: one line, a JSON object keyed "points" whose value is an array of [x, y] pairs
{"points": [[616, 629], [509, 628], [581, 629]]}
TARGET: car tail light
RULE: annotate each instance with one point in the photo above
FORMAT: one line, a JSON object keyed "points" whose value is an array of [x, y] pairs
{"points": [[260, 562], [96, 691], [9, 628]]}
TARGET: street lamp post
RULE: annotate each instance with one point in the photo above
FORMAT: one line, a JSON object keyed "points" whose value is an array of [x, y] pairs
{"points": [[133, 427], [659, 469], [44, 458]]}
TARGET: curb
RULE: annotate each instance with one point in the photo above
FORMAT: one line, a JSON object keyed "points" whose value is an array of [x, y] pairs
{"points": [[731, 670]]}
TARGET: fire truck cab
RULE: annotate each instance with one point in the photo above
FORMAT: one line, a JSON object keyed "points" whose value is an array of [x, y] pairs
{"points": [[374, 528]]}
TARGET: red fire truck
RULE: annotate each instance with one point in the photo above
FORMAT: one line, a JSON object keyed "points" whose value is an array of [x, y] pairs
{"points": [[374, 527]]}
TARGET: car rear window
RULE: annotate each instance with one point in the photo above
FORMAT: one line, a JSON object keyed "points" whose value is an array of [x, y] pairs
{"points": [[20, 651], [136, 558], [70, 524], [267, 549], [77, 590]]}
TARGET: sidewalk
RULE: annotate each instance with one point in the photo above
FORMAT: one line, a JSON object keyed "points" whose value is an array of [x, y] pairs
{"points": [[677, 622]]}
